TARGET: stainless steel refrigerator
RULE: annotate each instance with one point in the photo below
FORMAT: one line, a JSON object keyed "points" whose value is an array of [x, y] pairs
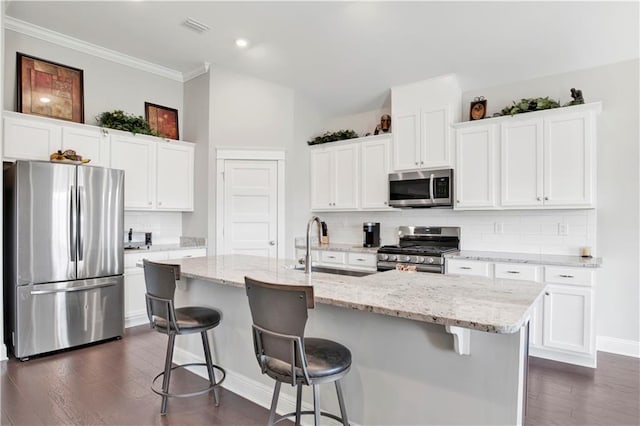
{"points": [[63, 256]]}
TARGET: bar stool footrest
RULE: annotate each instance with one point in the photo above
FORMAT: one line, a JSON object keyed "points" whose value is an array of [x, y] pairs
{"points": [[196, 393], [306, 413]]}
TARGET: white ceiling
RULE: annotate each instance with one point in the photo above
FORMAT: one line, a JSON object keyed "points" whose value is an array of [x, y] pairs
{"points": [[346, 55]]}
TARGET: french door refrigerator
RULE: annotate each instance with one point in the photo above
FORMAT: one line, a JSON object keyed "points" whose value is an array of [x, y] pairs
{"points": [[63, 256]]}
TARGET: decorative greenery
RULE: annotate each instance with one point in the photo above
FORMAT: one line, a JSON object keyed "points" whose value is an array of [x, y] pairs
{"points": [[333, 136], [529, 105], [121, 120]]}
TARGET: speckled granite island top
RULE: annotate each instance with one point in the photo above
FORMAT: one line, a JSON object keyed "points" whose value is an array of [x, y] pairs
{"points": [[536, 259], [497, 306]]}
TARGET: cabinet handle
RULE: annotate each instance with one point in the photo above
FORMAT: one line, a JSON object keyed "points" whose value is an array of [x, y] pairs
{"points": [[331, 257], [565, 276], [360, 260], [465, 267], [513, 272]]}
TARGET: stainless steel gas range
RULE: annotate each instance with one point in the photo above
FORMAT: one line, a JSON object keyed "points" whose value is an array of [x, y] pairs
{"points": [[420, 246]]}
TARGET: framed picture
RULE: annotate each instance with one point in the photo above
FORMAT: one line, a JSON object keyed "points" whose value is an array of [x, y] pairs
{"points": [[478, 108], [163, 120], [49, 89]]}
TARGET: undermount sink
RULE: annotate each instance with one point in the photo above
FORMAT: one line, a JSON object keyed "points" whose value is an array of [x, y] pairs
{"points": [[336, 271]]}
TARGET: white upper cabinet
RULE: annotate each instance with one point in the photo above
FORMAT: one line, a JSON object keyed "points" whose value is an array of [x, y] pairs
{"points": [[334, 177], [136, 156], [88, 141], [475, 170], [174, 186], [29, 138], [422, 115], [521, 163], [374, 184], [321, 179], [546, 160]]}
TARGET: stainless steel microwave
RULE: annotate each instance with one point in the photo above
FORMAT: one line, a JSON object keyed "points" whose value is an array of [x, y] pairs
{"points": [[423, 188]]}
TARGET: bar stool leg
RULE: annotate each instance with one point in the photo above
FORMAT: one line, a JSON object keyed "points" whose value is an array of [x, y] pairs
{"points": [[343, 409], [298, 404], [167, 373], [274, 403], [316, 405], [212, 374]]}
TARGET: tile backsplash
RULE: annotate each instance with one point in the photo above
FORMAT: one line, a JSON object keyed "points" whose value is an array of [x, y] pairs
{"points": [[166, 226], [523, 231]]}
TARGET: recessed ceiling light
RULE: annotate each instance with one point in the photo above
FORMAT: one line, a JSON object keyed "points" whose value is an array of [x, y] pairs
{"points": [[45, 100], [196, 25], [241, 42]]}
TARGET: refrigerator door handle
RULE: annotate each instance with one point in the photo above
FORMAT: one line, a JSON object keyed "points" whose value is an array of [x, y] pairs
{"points": [[80, 233], [70, 289], [72, 223]]}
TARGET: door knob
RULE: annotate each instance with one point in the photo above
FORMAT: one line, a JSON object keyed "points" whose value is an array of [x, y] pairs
{"points": [[272, 243]]}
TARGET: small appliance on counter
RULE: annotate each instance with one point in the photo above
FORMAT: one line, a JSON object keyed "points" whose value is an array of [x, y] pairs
{"points": [[371, 234], [136, 240]]}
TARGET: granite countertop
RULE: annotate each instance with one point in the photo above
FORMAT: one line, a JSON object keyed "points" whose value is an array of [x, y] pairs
{"points": [[537, 259], [354, 248], [163, 247], [497, 306]]}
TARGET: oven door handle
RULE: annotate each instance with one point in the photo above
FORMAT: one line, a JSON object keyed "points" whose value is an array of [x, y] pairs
{"points": [[431, 188]]}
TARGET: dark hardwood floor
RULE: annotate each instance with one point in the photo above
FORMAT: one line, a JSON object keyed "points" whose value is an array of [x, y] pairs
{"points": [[109, 384]]}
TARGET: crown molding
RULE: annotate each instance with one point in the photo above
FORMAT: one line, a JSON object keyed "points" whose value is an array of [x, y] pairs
{"points": [[202, 69], [54, 37]]}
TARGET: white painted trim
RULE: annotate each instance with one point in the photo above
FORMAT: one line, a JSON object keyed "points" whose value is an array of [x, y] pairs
{"points": [[583, 360], [137, 318], [461, 339], [618, 346], [248, 388], [202, 69], [223, 154], [54, 37], [249, 154]]}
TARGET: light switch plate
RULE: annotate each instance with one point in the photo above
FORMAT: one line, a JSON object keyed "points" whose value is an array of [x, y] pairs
{"points": [[498, 228], [563, 229]]}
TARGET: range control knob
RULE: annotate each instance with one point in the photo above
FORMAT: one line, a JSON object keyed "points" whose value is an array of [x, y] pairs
{"points": [[404, 258], [431, 260], [383, 257], [393, 258], [420, 259]]}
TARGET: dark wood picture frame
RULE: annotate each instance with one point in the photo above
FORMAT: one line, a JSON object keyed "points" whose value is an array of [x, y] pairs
{"points": [[163, 120], [49, 89]]}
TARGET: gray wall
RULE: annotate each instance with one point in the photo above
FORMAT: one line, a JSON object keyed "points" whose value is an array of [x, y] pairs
{"points": [[107, 85], [618, 221], [196, 129]]}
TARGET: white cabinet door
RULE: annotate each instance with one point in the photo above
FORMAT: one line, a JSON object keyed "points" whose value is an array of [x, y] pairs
{"points": [[568, 318], [30, 139], [174, 187], [321, 179], [374, 188], [521, 163], [406, 142], [90, 142], [346, 160], [435, 138], [568, 160], [137, 158], [475, 172]]}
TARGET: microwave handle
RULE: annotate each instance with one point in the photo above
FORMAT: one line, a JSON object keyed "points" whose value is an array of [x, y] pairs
{"points": [[431, 188]]}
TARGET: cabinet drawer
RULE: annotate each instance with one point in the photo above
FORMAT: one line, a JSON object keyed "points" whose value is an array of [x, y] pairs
{"points": [[335, 257], [517, 271], [363, 260], [181, 254], [571, 276], [130, 259], [468, 267]]}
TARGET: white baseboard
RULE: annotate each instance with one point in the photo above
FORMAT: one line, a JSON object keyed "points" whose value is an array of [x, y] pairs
{"points": [[569, 358], [250, 389], [618, 346], [132, 320]]}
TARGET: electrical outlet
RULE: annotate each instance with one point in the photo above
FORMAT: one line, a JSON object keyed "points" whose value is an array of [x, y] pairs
{"points": [[498, 228], [563, 229]]}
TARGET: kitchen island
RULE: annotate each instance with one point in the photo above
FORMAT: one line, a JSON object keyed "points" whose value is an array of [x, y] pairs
{"points": [[405, 369]]}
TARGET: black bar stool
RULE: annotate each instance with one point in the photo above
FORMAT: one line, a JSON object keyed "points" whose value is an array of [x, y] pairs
{"points": [[279, 317], [160, 280]]}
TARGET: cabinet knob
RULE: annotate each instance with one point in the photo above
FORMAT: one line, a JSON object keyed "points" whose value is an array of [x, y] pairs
{"points": [[546, 293], [272, 243], [458, 201], [385, 203], [149, 203], [416, 163], [422, 162], [539, 198], [159, 203], [546, 198]]}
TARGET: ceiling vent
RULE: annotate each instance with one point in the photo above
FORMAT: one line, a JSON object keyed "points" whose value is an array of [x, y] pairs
{"points": [[196, 25]]}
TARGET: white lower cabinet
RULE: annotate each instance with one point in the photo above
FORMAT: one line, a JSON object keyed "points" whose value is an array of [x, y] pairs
{"points": [[561, 326], [347, 260], [135, 306]]}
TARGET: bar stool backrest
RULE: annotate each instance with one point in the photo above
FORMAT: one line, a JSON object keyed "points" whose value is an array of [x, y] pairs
{"points": [[160, 281], [279, 315]]}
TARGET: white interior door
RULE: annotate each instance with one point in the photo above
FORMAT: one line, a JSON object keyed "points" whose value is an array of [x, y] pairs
{"points": [[251, 207]]}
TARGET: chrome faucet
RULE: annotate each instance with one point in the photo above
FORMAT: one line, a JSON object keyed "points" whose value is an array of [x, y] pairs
{"points": [[307, 256]]}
